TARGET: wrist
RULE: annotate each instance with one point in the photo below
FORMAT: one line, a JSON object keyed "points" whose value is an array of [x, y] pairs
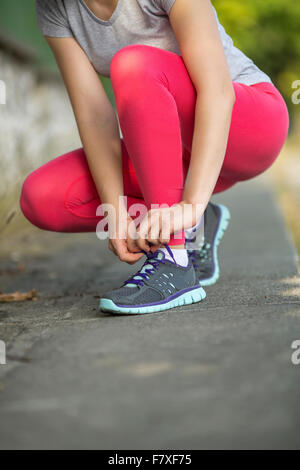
{"points": [[194, 206], [192, 211], [117, 203]]}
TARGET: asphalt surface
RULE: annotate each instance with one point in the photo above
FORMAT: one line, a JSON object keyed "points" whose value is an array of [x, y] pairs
{"points": [[217, 374]]}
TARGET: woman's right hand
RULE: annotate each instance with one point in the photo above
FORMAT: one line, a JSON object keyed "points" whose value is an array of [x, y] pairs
{"points": [[122, 240]]}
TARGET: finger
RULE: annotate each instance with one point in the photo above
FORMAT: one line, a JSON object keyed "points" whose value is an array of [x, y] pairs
{"points": [[112, 248], [125, 255], [130, 258], [164, 236], [154, 238], [154, 242], [164, 241], [143, 244], [154, 229], [154, 248], [142, 233], [141, 241], [136, 259], [135, 251], [132, 245]]}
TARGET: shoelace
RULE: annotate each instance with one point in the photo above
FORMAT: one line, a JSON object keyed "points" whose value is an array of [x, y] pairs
{"points": [[149, 267], [201, 255]]}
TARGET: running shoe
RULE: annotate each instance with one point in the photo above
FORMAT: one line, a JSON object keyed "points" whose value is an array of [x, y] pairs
{"points": [[159, 285], [203, 251]]}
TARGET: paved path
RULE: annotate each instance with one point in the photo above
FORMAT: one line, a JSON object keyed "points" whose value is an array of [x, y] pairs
{"points": [[213, 375]]}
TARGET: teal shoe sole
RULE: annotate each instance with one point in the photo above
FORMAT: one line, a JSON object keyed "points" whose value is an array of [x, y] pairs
{"points": [[224, 222], [190, 297]]}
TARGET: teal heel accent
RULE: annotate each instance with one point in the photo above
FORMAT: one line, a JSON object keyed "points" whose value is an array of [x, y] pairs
{"points": [[225, 218], [193, 296]]}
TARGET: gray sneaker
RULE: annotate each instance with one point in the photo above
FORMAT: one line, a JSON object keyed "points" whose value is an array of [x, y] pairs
{"points": [[159, 285], [203, 254]]}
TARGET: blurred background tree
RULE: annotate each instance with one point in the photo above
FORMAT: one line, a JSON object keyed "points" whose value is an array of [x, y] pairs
{"points": [[266, 30]]}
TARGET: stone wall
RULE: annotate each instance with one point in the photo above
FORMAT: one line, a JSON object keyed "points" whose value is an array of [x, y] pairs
{"points": [[36, 125]]}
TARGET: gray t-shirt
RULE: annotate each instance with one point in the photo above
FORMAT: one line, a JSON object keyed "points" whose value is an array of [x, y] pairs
{"points": [[132, 22]]}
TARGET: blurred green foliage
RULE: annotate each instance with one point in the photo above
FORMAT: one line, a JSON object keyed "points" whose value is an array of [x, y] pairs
{"points": [[268, 31], [17, 17]]}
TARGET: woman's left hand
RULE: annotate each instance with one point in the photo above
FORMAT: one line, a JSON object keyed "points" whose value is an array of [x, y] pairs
{"points": [[159, 224]]}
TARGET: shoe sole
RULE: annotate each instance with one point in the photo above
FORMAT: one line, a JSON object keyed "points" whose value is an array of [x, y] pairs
{"points": [[224, 222], [191, 297]]}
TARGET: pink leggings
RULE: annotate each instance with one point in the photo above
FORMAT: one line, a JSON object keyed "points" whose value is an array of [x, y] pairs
{"points": [[155, 100]]}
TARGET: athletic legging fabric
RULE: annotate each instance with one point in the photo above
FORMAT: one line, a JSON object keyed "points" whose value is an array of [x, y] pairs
{"points": [[155, 101]]}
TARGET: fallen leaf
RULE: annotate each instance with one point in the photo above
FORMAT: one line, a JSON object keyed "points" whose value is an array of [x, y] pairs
{"points": [[18, 296]]}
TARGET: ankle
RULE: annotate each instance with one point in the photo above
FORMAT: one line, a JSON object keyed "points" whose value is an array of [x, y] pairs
{"points": [[179, 254]]}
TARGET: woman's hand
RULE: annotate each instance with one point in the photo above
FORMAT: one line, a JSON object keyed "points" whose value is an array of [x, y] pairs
{"points": [[159, 224], [122, 241]]}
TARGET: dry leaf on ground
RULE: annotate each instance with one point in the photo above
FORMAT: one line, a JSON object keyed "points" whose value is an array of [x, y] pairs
{"points": [[18, 296]]}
